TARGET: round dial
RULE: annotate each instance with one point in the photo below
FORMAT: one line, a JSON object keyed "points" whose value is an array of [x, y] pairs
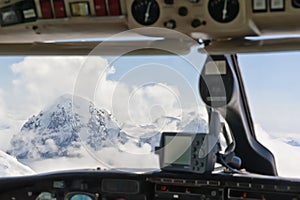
{"points": [[223, 11], [145, 12], [296, 3]]}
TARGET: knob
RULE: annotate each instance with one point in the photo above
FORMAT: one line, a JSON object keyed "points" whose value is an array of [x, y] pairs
{"points": [[170, 24], [169, 2], [196, 23], [183, 11], [296, 3]]}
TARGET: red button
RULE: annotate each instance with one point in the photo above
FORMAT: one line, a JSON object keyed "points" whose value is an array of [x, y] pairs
{"points": [[46, 9], [163, 188], [100, 8], [59, 8], [114, 7]]}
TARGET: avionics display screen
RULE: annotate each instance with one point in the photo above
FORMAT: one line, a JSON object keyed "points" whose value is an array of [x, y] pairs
{"points": [[177, 150]]}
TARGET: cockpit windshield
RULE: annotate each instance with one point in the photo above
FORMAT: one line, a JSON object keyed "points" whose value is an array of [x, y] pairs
{"points": [[107, 111]]}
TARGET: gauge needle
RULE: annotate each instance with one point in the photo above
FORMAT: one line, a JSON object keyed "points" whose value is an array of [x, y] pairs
{"points": [[225, 10], [147, 14]]}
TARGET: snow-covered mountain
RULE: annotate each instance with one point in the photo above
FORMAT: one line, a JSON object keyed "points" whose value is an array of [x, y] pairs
{"points": [[62, 128], [9, 166], [71, 123]]}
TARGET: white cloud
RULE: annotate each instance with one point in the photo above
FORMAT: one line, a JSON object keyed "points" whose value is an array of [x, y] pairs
{"points": [[126, 159], [8, 125], [287, 157], [2, 106], [39, 80], [138, 106], [105, 159], [64, 163]]}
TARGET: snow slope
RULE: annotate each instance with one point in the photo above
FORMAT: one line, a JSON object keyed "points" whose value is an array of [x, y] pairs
{"points": [[9, 166]]}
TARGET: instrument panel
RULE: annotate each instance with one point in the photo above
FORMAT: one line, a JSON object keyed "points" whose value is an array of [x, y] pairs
{"points": [[206, 19], [114, 185], [216, 18]]}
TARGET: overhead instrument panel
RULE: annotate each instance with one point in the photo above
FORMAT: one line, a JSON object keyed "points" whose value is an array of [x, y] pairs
{"points": [[214, 19], [205, 19], [211, 18]]}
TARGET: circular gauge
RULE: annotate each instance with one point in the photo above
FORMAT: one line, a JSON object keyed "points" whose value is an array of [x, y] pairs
{"points": [[223, 11], [145, 12], [296, 3]]}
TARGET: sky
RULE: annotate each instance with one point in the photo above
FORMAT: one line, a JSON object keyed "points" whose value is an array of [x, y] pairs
{"points": [[5, 71], [151, 86], [272, 84]]}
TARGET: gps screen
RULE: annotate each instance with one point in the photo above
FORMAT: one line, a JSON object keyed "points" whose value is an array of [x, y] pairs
{"points": [[177, 150]]}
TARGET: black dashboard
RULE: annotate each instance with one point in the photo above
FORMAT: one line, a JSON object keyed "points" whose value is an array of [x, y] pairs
{"points": [[117, 185]]}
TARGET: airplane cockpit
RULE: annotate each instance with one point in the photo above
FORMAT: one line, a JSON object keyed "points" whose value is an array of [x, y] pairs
{"points": [[216, 158]]}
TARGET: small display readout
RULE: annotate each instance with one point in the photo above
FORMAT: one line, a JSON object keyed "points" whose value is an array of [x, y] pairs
{"points": [[177, 150]]}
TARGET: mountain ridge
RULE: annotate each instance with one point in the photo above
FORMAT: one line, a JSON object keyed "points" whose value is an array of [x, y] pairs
{"points": [[71, 122]]}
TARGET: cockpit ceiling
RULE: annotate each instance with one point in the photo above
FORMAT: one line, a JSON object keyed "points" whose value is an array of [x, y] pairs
{"points": [[68, 29], [52, 26]]}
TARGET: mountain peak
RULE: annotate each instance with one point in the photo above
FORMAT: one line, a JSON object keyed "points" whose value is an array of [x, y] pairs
{"points": [[71, 123], [61, 128]]}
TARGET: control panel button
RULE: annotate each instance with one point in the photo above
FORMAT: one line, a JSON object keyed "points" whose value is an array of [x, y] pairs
{"points": [[196, 23], [183, 11], [171, 24]]}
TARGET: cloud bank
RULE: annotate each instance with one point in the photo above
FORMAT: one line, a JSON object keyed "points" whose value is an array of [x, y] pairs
{"points": [[287, 154]]}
